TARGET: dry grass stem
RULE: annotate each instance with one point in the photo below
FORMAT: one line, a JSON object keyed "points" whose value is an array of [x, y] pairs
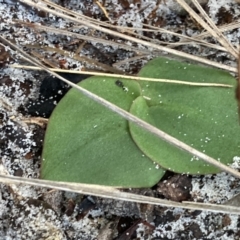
{"points": [[129, 38], [113, 193], [210, 27], [42, 122], [102, 8], [127, 77], [184, 40], [80, 36]]}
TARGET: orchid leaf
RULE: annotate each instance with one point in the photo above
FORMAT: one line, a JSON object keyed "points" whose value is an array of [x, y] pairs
{"points": [[202, 117], [87, 143]]}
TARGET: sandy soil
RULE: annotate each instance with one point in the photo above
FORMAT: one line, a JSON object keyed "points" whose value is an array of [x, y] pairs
{"points": [[35, 213]]}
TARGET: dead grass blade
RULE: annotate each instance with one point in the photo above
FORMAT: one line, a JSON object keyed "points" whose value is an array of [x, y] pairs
{"points": [[80, 36], [83, 59], [184, 40], [78, 20], [129, 77], [114, 193], [210, 27], [224, 28]]}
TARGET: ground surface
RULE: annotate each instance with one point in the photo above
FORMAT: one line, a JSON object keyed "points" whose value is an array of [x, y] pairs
{"points": [[35, 213]]}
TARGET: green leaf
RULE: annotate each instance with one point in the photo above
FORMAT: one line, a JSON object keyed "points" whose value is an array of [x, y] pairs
{"points": [[87, 143], [203, 117]]}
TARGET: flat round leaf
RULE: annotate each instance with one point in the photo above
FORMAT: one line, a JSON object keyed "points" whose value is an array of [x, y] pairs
{"points": [[85, 142], [202, 117]]}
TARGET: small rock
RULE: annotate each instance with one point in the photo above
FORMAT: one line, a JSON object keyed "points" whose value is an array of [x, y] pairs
{"points": [[177, 188]]}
